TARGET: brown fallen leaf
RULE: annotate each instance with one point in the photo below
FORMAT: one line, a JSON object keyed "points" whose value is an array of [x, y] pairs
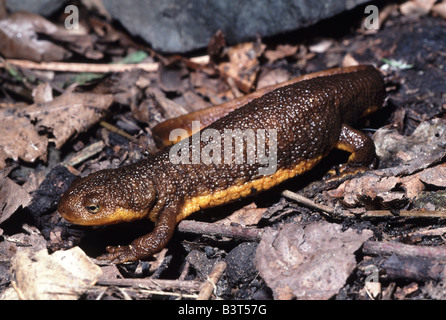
{"points": [[69, 114], [212, 89], [387, 191], [413, 162], [12, 196], [280, 52], [216, 46], [60, 276], [249, 215], [321, 46], [401, 155], [243, 64], [22, 129], [272, 77], [416, 7], [308, 261], [402, 293], [439, 9], [19, 38], [19, 139]]}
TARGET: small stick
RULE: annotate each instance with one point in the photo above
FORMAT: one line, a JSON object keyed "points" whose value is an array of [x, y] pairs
{"points": [[80, 67], [155, 284], [218, 229], [91, 67], [403, 214], [185, 271], [115, 129], [84, 154], [211, 283], [408, 214], [141, 290], [428, 232], [401, 249], [305, 201], [18, 291], [367, 214]]}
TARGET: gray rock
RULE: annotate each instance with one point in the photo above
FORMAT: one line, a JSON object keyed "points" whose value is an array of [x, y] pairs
{"points": [[240, 260], [181, 26], [42, 7]]}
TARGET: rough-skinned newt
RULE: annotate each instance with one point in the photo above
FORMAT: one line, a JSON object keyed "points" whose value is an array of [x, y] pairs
{"points": [[308, 118]]}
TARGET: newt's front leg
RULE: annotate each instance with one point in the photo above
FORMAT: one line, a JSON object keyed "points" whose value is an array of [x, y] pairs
{"points": [[149, 244]]}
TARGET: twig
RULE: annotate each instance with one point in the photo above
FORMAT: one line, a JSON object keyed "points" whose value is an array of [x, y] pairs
{"points": [[389, 291], [211, 283], [84, 154], [401, 249], [155, 284], [305, 201], [367, 214], [91, 67], [403, 214], [164, 293], [410, 214], [80, 67], [429, 232], [218, 229], [114, 129], [185, 271], [18, 291], [142, 290]]}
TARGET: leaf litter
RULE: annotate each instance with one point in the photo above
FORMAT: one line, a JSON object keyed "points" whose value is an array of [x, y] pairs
{"points": [[310, 259], [26, 131], [417, 165]]}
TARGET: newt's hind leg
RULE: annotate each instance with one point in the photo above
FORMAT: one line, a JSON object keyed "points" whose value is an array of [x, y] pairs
{"points": [[360, 146], [361, 149]]}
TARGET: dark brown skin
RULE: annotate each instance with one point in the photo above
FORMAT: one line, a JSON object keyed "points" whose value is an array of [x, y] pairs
{"points": [[311, 118]]}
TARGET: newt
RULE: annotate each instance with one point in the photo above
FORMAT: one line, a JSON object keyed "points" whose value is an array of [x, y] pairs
{"points": [[309, 118]]}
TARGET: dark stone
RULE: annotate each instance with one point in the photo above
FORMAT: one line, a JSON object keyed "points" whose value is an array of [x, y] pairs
{"points": [[42, 7], [181, 26], [240, 263], [201, 263]]}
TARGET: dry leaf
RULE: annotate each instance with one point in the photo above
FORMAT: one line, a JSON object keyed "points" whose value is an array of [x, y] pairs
{"points": [[170, 77], [281, 51], [308, 261], [43, 93], [60, 276], [12, 196], [19, 138], [349, 60], [386, 192], [409, 159], [19, 38], [416, 7], [243, 64], [69, 114], [272, 77], [64, 116], [435, 176], [440, 9], [405, 155], [249, 215], [322, 46], [402, 293]]}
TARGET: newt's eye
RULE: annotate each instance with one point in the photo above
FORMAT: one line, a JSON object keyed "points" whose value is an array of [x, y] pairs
{"points": [[93, 208]]}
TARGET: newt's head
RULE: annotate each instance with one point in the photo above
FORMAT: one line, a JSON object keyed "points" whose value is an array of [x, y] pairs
{"points": [[107, 197]]}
